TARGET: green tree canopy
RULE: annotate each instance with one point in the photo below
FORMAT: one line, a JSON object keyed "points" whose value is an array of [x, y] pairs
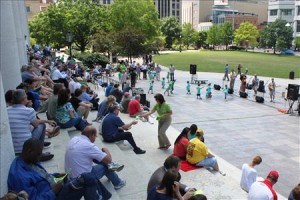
{"points": [[201, 39], [171, 30], [247, 34], [188, 35], [213, 36], [277, 35], [226, 33], [138, 15]]}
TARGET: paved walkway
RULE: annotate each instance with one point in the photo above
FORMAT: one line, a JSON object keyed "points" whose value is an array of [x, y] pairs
{"points": [[235, 131]]}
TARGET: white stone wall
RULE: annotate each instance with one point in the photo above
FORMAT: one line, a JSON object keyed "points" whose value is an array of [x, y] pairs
{"points": [[13, 27]]}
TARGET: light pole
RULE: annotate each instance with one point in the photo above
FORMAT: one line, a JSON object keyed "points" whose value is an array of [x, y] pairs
{"points": [[69, 38], [180, 44]]}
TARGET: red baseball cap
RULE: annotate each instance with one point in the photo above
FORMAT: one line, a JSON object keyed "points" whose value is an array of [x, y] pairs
{"points": [[274, 174]]}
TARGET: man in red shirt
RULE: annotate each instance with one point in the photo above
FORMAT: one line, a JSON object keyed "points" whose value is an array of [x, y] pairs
{"points": [[135, 108]]}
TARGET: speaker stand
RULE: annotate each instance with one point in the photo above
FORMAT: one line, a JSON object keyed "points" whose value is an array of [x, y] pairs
{"points": [[291, 103]]}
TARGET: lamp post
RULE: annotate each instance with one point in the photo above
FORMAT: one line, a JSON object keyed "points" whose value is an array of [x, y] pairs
{"points": [[69, 38], [180, 44]]}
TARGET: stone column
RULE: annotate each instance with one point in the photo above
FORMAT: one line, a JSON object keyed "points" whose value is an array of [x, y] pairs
{"points": [[20, 32], [24, 21], [9, 58], [6, 145]]}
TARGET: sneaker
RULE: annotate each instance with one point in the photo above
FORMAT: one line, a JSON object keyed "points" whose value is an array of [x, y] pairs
{"points": [[77, 183], [115, 167], [139, 151], [46, 157], [222, 173], [122, 184], [47, 144]]}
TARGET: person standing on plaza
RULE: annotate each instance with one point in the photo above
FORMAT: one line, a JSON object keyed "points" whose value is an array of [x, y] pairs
{"points": [[157, 71], [172, 70], [163, 83], [249, 174], [199, 88], [272, 87], [164, 120], [151, 87], [225, 90], [255, 82], [232, 80], [188, 87], [239, 68], [226, 70], [263, 190]]}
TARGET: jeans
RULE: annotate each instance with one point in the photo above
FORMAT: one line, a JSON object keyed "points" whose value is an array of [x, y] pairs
{"points": [[101, 169], [92, 189], [123, 136], [39, 133], [172, 76], [77, 122]]}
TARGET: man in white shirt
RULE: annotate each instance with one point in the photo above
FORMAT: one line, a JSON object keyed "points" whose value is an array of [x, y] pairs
{"points": [[172, 70], [59, 77], [263, 190], [81, 153]]}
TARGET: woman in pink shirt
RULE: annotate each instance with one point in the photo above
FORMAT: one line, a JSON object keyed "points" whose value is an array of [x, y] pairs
{"points": [[181, 143]]}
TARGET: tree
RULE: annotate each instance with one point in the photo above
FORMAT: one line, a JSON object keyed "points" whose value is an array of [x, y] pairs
{"points": [[188, 35], [246, 34], [226, 34], [138, 15], [213, 36], [201, 39], [277, 35], [171, 30], [103, 41], [130, 42]]}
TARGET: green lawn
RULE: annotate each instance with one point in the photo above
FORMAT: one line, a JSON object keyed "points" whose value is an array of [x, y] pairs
{"points": [[262, 64]]}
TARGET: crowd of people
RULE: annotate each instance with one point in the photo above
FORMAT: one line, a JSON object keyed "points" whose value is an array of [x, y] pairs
{"points": [[59, 88]]}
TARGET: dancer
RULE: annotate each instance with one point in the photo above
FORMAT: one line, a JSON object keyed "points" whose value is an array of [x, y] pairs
{"points": [[151, 87], [225, 90], [188, 87], [226, 70], [208, 91], [163, 83], [168, 89], [198, 88]]}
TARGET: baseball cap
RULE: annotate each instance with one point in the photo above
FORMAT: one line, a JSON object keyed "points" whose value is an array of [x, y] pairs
{"points": [[199, 132], [274, 174]]}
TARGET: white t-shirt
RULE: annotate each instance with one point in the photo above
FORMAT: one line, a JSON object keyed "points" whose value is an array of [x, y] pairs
{"points": [[56, 74], [249, 176], [80, 154], [260, 191]]}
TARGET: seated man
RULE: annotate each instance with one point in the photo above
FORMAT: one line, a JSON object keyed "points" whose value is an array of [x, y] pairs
{"points": [[135, 108], [59, 77], [172, 163], [198, 154], [80, 154], [103, 107], [125, 101], [27, 174], [92, 98], [81, 107], [113, 129], [20, 118]]}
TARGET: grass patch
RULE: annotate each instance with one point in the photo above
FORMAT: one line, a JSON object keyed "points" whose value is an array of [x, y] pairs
{"points": [[262, 64]]}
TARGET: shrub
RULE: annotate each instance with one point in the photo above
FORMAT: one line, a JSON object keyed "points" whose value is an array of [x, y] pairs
{"points": [[91, 59]]}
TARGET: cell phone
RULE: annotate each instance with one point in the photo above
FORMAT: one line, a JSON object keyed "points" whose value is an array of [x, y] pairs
{"points": [[56, 180]]}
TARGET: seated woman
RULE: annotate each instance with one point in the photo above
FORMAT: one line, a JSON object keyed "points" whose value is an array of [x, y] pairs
{"points": [[66, 116], [81, 107], [168, 189], [181, 143], [193, 130]]}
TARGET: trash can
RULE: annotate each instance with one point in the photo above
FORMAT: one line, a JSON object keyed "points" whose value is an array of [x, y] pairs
{"points": [[292, 75]]}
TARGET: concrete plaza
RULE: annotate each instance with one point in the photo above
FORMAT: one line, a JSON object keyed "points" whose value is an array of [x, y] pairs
{"points": [[235, 129]]}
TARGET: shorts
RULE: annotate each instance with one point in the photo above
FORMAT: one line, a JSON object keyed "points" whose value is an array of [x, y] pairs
{"points": [[207, 162]]}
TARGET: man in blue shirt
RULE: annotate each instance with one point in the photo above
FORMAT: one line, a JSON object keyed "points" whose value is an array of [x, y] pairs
{"points": [[226, 72], [113, 129]]}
